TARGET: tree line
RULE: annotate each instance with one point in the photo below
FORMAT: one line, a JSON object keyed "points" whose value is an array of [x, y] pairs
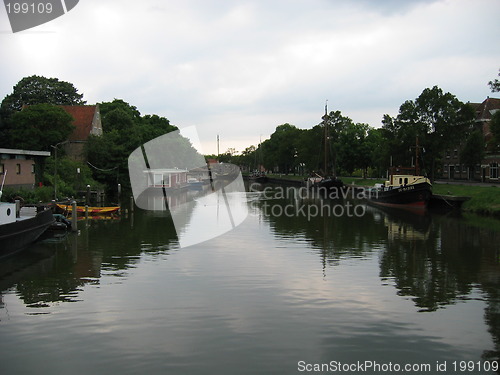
{"points": [[31, 119], [437, 118]]}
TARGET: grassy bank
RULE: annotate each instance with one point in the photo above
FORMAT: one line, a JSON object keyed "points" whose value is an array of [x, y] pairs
{"points": [[485, 200]]}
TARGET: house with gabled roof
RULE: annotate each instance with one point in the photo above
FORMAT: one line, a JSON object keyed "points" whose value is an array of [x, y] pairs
{"points": [[87, 121], [489, 169]]}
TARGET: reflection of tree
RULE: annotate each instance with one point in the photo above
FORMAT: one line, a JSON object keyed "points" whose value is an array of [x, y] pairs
{"points": [[106, 245], [335, 236], [446, 266], [435, 261], [435, 270]]}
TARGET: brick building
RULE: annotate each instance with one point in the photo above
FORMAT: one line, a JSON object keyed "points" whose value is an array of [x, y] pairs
{"points": [[20, 167], [488, 170], [87, 121]]}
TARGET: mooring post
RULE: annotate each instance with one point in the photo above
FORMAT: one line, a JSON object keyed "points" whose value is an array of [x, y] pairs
{"points": [[18, 208], [132, 203], [74, 217]]}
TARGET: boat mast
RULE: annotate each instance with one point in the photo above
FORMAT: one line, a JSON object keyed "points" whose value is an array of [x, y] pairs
{"points": [[325, 122], [417, 167], [217, 147]]}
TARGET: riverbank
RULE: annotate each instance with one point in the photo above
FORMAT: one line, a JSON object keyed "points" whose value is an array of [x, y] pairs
{"points": [[485, 199]]}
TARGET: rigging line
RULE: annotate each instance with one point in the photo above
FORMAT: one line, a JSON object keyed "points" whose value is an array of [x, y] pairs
{"points": [[102, 170]]}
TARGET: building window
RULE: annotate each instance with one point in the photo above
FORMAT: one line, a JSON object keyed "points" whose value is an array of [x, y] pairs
{"points": [[445, 169], [455, 153], [494, 170], [18, 168], [447, 154]]}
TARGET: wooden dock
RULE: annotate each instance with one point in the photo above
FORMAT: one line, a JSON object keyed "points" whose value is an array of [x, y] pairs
{"points": [[450, 202]]}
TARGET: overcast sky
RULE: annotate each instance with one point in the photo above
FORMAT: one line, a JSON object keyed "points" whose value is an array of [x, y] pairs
{"points": [[240, 68]]}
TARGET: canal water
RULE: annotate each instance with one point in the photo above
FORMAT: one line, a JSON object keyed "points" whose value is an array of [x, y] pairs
{"points": [[295, 288]]}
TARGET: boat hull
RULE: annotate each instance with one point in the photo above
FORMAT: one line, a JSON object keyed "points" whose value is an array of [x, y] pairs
{"points": [[19, 234], [90, 210], [327, 185], [415, 196]]}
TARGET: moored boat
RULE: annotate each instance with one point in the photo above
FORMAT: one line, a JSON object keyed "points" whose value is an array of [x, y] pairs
{"points": [[402, 190], [259, 177], [406, 187], [91, 210], [18, 232]]}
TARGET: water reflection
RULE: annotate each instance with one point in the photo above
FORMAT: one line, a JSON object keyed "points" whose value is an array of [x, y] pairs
{"points": [[436, 261], [233, 292]]}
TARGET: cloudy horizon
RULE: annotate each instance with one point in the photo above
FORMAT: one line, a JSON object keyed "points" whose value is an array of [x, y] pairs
{"points": [[239, 69]]}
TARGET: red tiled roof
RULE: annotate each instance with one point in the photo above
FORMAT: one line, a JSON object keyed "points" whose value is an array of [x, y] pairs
{"points": [[83, 116]]}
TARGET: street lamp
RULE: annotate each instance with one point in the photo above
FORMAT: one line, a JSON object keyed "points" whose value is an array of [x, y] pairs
{"points": [[55, 166]]}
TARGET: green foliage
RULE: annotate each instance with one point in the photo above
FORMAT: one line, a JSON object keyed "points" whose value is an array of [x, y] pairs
{"points": [[495, 85], [39, 126], [39, 194], [31, 91], [124, 129], [473, 151], [440, 121], [72, 176], [495, 130], [280, 150]]}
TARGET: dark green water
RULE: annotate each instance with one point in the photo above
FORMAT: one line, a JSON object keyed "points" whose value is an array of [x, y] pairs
{"points": [[280, 294]]}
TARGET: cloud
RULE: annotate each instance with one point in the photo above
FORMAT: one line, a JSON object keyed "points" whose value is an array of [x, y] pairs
{"points": [[242, 68]]}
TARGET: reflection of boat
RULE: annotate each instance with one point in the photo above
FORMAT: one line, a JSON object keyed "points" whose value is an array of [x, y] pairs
{"points": [[405, 188], [91, 210], [195, 183], [405, 225], [18, 232]]}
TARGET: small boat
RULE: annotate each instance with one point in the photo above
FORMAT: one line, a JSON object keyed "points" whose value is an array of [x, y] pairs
{"points": [[402, 190], [18, 232], [91, 210], [259, 177], [326, 184]]}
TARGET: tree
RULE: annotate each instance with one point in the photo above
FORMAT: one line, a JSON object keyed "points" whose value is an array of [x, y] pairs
{"points": [[39, 126], [124, 130], [30, 91], [352, 150], [335, 124], [495, 130], [280, 150], [495, 85], [473, 151], [440, 121]]}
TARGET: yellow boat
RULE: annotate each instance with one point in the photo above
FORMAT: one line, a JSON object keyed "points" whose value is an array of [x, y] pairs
{"points": [[91, 210]]}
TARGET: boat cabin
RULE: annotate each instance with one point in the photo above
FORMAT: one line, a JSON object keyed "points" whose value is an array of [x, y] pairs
{"points": [[403, 176], [166, 178], [404, 180]]}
